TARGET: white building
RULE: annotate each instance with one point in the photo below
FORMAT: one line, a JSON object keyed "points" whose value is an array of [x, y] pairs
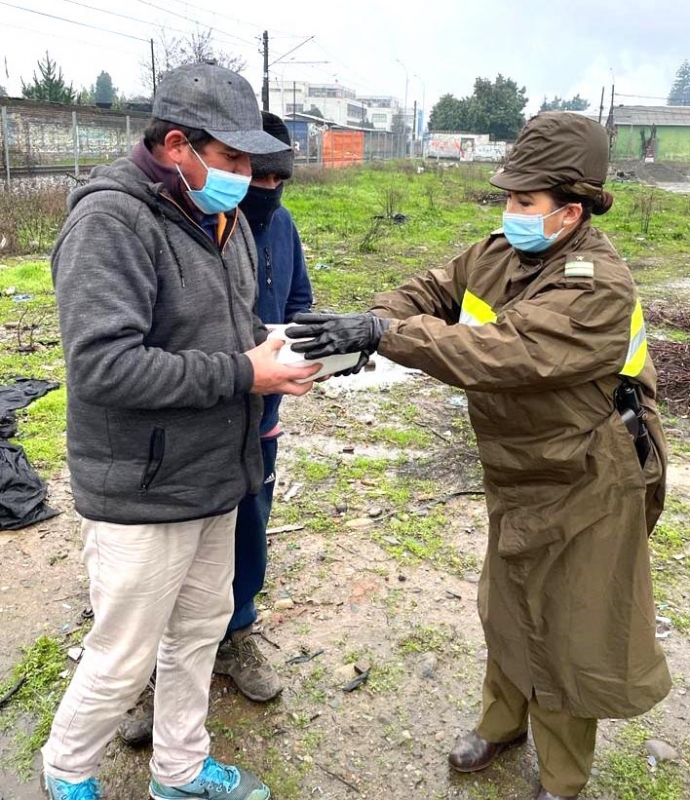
{"points": [[288, 97], [382, 109], [335, 102]]}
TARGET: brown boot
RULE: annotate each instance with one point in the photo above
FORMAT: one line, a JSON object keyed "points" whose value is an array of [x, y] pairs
{"points": [[136, 729], [546, 795], [241, 659], [471, 753]]}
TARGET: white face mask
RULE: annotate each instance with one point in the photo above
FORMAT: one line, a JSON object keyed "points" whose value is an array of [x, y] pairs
{"points": [[526, 231], [222, 191]]}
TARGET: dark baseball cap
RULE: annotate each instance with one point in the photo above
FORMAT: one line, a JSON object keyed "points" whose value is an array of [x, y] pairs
{"points": [[215, 100], [556, 148]]}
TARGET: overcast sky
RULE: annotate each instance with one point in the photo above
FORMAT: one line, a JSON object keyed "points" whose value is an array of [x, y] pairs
{"points": [[373, 47]]}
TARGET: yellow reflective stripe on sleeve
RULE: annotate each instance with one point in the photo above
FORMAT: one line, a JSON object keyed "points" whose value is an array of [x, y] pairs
{"points": [[637, 349], [475, 311]]}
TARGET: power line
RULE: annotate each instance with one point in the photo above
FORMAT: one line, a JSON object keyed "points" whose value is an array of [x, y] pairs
{"points": [[234, 20], [66, 38], [73, 21], [115, 14], [280, 58], [146, 22], [359, 81], [182, 16], [642, 96]]}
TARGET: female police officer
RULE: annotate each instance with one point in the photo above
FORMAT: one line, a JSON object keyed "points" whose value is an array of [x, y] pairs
{"points": [[541, 325]]}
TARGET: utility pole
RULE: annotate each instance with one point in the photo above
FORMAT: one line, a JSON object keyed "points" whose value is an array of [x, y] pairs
{"points": [[611, 122], [601, 104], [407, 80], [264, 87], [153, 68], [294, 107]]}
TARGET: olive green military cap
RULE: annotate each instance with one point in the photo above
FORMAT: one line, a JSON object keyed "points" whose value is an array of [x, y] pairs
{"points": [[556, 148]]}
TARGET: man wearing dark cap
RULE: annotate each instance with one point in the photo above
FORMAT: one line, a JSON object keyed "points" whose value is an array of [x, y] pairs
{"points": [[284, 290], [155, 278], [540, 323]]}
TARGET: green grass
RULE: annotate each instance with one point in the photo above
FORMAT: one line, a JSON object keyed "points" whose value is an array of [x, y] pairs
{"points": [[625, 773], [669, 546], [42, 669], [423, 638], [335, 215], [30, 348]]}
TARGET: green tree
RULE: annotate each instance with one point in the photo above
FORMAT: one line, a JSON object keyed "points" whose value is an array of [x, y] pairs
{"points": [[85, 97], [51, 86], [496, 108], [105, 93], [449, 114], [315, 111], [3, 92], [576, 103], [680, 91]]}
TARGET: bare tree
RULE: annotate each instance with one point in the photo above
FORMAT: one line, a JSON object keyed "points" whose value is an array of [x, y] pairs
{"points": [[195, 48]]}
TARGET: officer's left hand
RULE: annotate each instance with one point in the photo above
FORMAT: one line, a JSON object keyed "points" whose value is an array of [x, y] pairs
{"points": [[331, 334]]}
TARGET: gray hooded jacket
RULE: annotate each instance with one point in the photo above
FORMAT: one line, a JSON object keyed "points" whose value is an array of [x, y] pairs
{"points": [[155, 321]]}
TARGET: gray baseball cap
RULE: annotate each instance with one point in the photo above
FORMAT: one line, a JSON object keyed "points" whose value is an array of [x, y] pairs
{"points": [[215, 100]]}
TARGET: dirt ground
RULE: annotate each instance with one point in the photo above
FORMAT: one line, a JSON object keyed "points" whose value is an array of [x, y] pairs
{"points": [[342, 594]]}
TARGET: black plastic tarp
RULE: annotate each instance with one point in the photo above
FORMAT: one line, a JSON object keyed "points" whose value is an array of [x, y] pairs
{"points": [[22, 492]]}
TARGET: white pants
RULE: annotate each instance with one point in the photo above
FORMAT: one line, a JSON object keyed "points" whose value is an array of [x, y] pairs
{"points": [[161, 594]]}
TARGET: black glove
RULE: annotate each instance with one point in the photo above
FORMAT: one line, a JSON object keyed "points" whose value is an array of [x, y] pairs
{"points": [[331, 334]]}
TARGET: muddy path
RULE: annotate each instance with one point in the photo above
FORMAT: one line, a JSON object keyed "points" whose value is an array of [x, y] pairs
{"points": [[379, 530]]}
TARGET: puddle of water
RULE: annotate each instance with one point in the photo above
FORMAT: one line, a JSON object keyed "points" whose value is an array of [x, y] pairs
{"points": [[11, 787], [386, 372], [683, 284], [676, 188]]}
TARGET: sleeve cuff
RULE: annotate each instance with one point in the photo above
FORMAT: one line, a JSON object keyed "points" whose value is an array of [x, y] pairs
{"points": [[244, 374]]}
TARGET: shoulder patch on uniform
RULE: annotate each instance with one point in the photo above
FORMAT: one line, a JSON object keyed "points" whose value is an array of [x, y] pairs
{"points": [[579, 267]]}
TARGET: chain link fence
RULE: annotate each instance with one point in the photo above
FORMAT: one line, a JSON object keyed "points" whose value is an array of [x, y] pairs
{"points": [[47, 143]]}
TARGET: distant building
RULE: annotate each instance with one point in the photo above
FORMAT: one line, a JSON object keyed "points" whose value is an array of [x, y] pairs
{"points": [[650, 133], [288, 97], [337, 103], [381, 110]]}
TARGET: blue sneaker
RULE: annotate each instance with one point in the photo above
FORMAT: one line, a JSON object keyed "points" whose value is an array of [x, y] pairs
{"points": [[214, 782], [90, 789]]}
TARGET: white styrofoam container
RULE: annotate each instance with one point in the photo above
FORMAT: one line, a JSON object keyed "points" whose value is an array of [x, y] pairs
{"points": [[329, 364]]}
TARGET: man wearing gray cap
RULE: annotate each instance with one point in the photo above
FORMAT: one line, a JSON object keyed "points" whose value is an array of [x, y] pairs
{"points": [[155, 276]]}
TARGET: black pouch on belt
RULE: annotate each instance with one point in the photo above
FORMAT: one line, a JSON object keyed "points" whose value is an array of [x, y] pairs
{"points": [[633, 414]]}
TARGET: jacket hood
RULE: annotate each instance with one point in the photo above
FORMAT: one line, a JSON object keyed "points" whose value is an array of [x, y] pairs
{"points": [[120, 176]]}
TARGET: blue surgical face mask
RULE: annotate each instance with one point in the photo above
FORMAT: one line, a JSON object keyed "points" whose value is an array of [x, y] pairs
{"points": [[222, 191], [526, 231]]}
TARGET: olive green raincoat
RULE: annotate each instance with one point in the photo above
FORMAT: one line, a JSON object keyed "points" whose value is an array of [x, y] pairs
{"points": [[538, 344]]}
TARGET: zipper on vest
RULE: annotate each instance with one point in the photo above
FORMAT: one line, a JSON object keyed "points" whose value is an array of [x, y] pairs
{"points": [[156, 451], [269, 268]]}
